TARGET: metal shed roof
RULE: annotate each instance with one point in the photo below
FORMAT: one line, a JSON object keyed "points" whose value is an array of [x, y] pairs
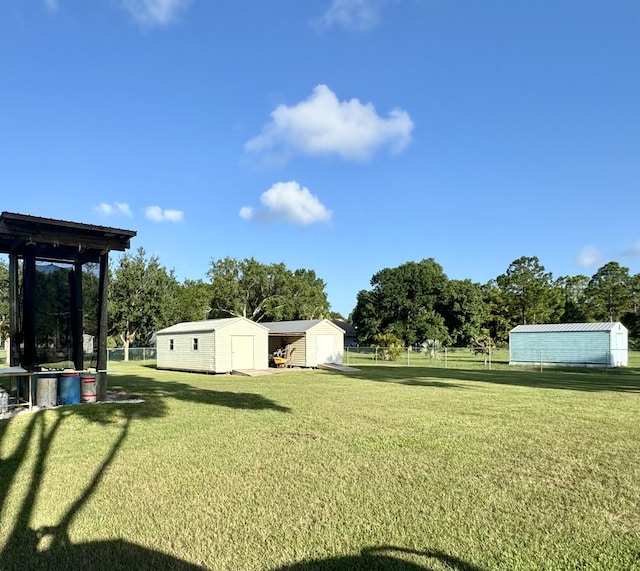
{"points": [[204, 326], [299, 327], [291, 327], [563, 327]]}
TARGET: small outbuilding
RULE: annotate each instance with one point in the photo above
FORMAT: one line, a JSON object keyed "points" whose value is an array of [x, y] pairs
{"points": [[307, 343], [213, 346], [586, 344]]}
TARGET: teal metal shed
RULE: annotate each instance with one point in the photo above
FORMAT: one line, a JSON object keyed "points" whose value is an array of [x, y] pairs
{"points": [[586, 344]]}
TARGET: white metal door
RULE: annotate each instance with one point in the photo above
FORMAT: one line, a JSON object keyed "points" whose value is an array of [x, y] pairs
{"points": [[242, 352], [325, 351]]}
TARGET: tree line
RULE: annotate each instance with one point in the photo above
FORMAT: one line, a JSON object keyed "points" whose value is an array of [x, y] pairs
{"points": [[412, 304], [416, 303]]}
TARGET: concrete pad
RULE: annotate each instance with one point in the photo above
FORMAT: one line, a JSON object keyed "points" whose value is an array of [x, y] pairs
{"points": [[337, 367], [252, 372]]}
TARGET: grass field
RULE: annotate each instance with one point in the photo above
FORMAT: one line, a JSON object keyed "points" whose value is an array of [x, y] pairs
{"points": [[460, 468]]}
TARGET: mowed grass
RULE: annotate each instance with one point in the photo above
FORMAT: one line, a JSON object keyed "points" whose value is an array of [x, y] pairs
{"points": [[464, 467]]}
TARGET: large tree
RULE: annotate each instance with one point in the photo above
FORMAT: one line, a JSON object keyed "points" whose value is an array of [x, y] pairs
{"points": [[529, 291], [573, 298], [607, 292], [265, 292], [142, 296], [497, 319], [631, 319], [365, 317], [305, 297], [463, 310], [404, 301], [193, 301]]}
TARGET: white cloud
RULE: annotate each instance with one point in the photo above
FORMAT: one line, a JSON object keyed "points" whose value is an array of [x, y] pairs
{"points": [[51, 5], [351, 14], [634, 250], [246, 212], [157, 214], [155, 12], [117, 208], [288, 201], [322, 125], [588, 257]]}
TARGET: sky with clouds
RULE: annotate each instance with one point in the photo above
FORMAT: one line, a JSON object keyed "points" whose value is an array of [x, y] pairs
{"points": [[343, 136]]}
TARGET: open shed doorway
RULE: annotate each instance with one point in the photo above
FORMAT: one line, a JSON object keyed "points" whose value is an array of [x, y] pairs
{"points": [[283, 348]]}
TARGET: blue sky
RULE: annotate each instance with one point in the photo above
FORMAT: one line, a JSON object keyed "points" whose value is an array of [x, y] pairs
{"points": [[343, 136]]}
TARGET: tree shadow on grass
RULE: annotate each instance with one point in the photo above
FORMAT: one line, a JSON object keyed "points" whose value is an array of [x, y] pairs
{"points": [[565, 378], [383, 558], [150, 389], [50, 547]]}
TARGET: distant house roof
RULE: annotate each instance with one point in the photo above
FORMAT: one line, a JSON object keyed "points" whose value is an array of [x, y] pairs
{"points": [[204, 326], [562, 327], [348, 329], [299, 327]]}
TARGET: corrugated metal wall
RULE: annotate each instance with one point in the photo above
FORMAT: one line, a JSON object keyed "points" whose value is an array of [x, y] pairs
{"points": [[568, 347]]}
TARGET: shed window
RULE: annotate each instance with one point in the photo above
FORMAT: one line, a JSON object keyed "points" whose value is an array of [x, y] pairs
{"points": [[195, 343], [170, 344]]}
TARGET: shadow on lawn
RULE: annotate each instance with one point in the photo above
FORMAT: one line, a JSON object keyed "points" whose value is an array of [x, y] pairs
{"points": [[150, 389], [590, 380], [382, 558], [50, 547]]}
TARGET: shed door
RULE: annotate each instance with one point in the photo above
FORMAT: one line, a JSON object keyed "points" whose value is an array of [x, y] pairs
{"points": [[242, 352], [325, 353]]}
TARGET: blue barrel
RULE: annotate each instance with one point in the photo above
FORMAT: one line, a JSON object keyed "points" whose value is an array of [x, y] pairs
{"points": [[69, 388]]}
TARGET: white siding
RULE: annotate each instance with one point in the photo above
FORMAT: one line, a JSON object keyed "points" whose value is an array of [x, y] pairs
{"points": [[214, 347], [299, 355], [322, 330], [183, 357]]}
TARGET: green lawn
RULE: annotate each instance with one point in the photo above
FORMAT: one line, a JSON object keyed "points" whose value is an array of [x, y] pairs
{"points": [[460, 468]]}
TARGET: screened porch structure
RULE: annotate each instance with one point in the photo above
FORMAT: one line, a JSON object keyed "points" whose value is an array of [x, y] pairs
{"points": [[30, 239]]}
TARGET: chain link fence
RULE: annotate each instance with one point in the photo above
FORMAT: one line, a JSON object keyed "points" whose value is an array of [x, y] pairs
{"points": [[139, 354], [409, 356]]}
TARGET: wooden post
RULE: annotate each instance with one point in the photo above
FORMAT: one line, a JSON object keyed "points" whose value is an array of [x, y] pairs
{"points": [[101, 364], [75, 284], [29, 309], [14, 344]]}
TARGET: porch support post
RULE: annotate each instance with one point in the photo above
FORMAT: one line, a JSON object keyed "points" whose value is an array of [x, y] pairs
{"points": [[101, 364]]}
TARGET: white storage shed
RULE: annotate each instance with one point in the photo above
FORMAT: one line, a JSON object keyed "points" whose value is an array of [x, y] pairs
{"points": [[588, 344], [308, 343], [213, 346]]}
